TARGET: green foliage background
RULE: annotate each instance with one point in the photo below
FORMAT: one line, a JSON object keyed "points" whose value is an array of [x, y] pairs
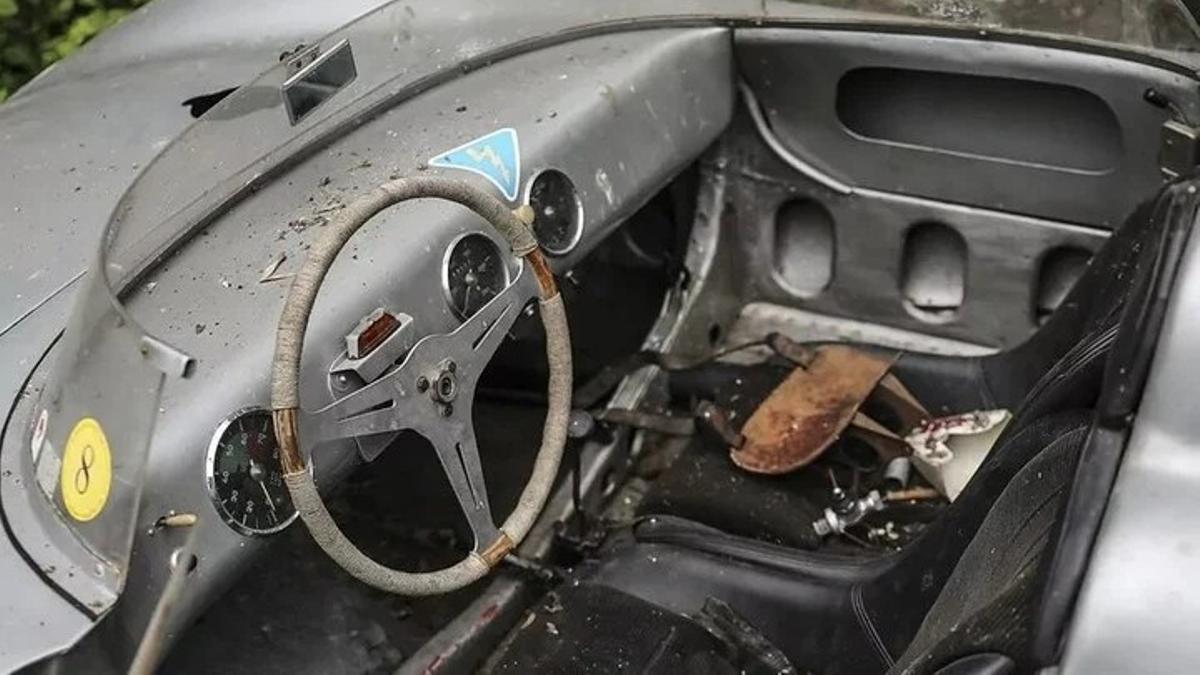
{"points": [[36, 33]]}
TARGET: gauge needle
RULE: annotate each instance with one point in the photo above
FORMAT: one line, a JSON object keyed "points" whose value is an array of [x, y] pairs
{"points": [[256, 472], [270, 502]]}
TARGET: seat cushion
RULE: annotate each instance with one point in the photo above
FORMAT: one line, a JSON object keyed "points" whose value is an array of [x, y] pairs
{"points": [[703, 485]]}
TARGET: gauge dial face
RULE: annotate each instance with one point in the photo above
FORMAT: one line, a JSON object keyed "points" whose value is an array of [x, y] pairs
{"points": [[244, 477], [474, 273], [557, 212]]}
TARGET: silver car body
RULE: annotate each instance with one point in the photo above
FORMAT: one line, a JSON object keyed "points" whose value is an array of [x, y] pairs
{"points": [[74, 140]]}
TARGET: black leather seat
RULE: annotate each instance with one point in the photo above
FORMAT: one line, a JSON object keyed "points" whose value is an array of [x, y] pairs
{"points": [[968, 584], [967, 587], [867, 613], [961, 598], [1072, 344]]}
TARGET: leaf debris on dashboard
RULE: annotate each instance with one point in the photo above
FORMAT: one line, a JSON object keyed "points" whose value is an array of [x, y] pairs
{"points": [[331, 204], [271, 271]]}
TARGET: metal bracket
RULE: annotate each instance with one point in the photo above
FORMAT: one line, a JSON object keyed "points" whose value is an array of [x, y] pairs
{"points": [[380, 356], [314, 77], [300, 57], [166, 358], [1178, 149]]}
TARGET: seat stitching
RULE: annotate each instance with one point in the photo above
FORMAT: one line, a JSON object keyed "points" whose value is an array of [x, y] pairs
{"points": [[1037, 510], [1034, 544], [1030, 554], [868, 627], [1032, 547], [1092, 346], [1067, 437]]}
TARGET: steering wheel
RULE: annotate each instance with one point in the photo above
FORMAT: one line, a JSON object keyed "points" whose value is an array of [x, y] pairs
{"points": [[430, 392]]}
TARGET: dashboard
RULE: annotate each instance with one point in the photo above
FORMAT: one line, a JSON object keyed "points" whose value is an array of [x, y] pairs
{"points": [[615, 119]]}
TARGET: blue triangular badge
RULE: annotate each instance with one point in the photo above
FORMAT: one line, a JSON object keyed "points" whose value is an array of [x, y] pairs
{"points": [[495, 156]]}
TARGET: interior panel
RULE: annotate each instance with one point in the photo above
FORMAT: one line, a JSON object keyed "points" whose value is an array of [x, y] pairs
{"points": [[973, 274], [1063, 135]]}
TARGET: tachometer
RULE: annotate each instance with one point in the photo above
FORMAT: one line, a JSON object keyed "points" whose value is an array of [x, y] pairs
{"points": [[245, 480], [474, 273], [558, 213]]}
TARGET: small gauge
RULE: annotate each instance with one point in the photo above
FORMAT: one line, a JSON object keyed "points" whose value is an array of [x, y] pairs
{"points": [[473, 274], [557, 212], [245, 480]]}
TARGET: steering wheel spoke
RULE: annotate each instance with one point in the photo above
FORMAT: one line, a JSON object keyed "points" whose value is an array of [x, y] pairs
{"points": [[458, 452], [478, 338], [388, 404]]}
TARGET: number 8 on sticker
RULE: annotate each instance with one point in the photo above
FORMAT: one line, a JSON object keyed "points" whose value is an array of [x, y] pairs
{"points": [[86, 471]]}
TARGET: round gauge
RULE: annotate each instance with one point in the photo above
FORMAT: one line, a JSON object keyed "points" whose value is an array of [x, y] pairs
{"points": [[557, 212], [245, 480], [473, 274]]}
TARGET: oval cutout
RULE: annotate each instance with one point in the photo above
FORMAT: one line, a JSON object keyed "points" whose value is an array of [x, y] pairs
{"points": [[985, 117], [1060, 268], [805, 246], [933, 272]]}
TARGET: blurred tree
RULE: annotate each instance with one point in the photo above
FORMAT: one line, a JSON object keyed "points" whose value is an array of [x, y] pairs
{"points": [[36, 33]]}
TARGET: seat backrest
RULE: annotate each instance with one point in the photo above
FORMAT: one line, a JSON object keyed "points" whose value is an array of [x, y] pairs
{"points": [[988, 602], [1062, 369], [896, 602], [1004, 380], [1093, 305]]}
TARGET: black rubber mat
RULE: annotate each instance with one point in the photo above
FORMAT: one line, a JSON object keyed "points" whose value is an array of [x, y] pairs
{"points": [[583, 629], [704, 485]]}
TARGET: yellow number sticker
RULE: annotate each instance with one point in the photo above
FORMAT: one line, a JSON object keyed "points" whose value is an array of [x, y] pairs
{"points": [[86, 470]]}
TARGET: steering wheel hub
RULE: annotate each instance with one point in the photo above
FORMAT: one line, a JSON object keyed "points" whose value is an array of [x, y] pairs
{"points": [[445, 385]]}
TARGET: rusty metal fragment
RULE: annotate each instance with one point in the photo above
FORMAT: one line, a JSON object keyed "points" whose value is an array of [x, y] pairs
{"points": [[809, 410], [671, 425], [887, 444], [893, 394], [713, 417], [797, 352]]}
